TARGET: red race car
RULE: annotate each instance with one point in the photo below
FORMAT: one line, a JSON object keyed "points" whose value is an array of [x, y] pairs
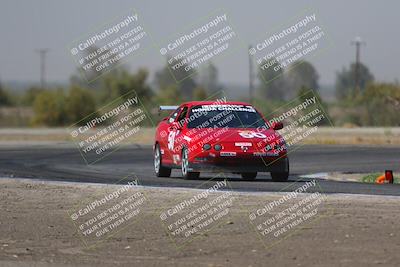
{"points": [[212, 136]]}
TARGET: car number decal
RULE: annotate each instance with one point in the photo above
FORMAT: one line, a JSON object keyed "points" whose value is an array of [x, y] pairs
{"points": [[251, 134], [171, 140]]}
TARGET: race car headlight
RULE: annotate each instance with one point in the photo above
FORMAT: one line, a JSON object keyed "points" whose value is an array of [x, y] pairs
{"points": [[206, 146], [217, 147]]}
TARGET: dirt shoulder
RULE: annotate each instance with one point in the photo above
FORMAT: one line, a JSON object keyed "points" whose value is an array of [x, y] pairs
{"points": [[352, 177], [36, 229]]}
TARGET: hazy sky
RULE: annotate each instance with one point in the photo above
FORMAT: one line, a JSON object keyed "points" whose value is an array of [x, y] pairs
{"points": [[28, 25]]}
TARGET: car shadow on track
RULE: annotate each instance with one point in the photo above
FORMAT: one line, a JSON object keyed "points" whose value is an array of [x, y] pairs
{"points": [[234, 179]]}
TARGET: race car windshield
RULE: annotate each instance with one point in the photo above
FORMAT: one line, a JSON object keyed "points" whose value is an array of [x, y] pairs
{"points": [[220, 116]]}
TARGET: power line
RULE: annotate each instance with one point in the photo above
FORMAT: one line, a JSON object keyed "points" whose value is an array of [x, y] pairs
{"points": [[42, 54], [357, 42], [251, 77]]}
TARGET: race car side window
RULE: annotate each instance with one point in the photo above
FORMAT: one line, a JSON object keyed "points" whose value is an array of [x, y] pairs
{"points": [[182, 116], [173, 116]]}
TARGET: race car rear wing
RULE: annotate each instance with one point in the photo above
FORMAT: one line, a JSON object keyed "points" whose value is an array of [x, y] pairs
{"points": [[166, 108]]}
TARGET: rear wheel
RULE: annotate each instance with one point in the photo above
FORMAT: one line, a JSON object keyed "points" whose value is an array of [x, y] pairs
{"points": [[159, 169], [185, 165], [249, 175], [283, 175]]}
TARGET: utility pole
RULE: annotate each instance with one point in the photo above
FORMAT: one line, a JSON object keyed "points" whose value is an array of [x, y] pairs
{"points": [[357, 42], [42, 54], [251, 77]]}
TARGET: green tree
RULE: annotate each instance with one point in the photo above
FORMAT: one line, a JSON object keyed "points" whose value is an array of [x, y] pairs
{"points": [[185, 80], [49, 108], [122, 82], [79, 104], [28, 98], [208, 78], [169, 96], [271, 81], [199, 94], [382, 105], [345, 80], [5, 99], [305, 93], [301, 74]]}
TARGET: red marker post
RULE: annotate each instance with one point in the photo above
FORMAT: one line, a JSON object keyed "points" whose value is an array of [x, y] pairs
{"points": [[389, 176]]}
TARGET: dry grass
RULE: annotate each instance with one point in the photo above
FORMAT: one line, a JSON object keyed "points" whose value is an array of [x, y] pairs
{"points": [[324, 135], [355, 136]]}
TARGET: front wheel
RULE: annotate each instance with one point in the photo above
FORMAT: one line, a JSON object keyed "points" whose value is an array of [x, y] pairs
{"points": [[159, 169], [185, 165], [280, 176]]}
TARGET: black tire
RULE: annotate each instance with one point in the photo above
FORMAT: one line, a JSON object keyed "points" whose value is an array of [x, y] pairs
{"points": [[249, 175], [282, 176], [159, 169], [184, 166]]}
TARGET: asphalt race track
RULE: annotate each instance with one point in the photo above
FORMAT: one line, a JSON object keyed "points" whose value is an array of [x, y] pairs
{"points": [[64, 163]]}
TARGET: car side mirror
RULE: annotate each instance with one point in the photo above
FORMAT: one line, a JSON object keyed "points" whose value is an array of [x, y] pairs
{"points": [[166, 118], [277, 125]]}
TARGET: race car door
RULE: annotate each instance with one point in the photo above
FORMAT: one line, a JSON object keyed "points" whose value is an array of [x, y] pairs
{"points": [[175, 135], [165, 136]]}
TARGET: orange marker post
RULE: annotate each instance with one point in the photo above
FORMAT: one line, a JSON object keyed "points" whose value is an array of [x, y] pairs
{"points": [[381, 179]]}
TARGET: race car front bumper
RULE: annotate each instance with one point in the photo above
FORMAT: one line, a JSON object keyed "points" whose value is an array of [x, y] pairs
{"points": [[256, 164]]}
